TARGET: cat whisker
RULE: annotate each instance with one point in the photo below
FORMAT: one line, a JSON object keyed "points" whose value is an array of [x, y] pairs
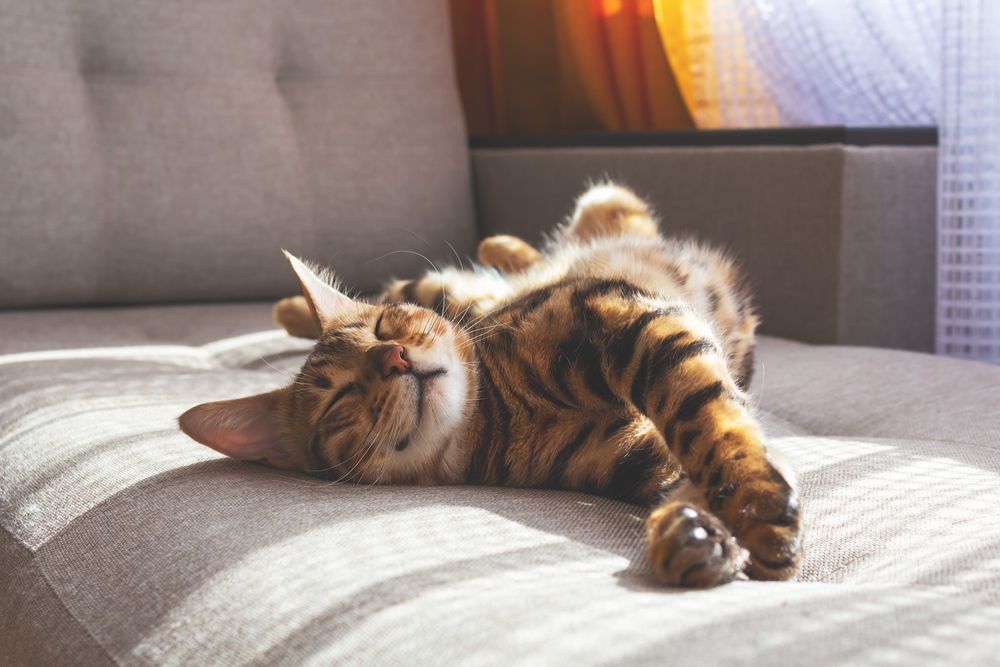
{"points": [[385, 462], [455, 252], [461, 316], [360, 452], [363, 450], [473, 342], [368, 448], [379, 441], [476, 328], [345, 461], [426, 259], [472, 327], [477, 338], [479, 334], [276, 369], [427, 327], [480, 319], [412, 233]]}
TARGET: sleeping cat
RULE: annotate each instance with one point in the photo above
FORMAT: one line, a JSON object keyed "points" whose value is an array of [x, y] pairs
{"points": [[612, 362]]}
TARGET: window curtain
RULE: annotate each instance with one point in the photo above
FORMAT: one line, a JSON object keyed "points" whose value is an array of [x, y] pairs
{"points": [[770, 63], [969, 182], [543, 66], [529, 66], [763, 63]]}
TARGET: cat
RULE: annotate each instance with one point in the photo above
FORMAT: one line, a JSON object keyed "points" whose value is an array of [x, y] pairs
{"points": [[614, 361]]}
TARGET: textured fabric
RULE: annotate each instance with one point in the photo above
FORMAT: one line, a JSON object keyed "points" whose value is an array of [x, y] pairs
{"points": [[35, 628], [840, 62], [968, 275], [887, 248], [41, 331], [839, 241], [156, 151], [132, 543]]}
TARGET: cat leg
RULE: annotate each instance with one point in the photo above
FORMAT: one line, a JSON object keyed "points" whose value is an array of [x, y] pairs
{"points": [[665, 361], [687, 545], [293, 315], [509, 254], [608, 209], [605, 209]]}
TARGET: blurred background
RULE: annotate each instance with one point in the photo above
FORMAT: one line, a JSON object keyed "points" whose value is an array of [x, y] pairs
{"points": [[555, 67], [542, 66]]}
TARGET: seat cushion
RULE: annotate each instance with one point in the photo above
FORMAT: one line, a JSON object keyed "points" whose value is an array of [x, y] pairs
{"points": [[125, 542], [166, 153]]}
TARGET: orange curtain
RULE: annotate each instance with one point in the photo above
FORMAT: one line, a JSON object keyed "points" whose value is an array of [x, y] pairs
{"points": [[699, 46], [544, 66], [686, 36]]}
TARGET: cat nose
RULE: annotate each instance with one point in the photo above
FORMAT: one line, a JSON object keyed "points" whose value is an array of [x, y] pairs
{"points": [[394, 361]]}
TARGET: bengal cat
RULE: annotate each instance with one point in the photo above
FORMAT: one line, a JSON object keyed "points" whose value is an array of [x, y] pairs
{"points": [[612, 362]]}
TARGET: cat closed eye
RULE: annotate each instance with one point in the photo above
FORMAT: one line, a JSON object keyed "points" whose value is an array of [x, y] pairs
{"points": [[380, 333]]}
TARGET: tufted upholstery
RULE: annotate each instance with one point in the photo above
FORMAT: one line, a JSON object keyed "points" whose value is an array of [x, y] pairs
{"points": [[164, 151]]}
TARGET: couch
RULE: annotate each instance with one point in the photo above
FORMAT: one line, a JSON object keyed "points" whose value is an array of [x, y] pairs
{"points": [[153, 159]]}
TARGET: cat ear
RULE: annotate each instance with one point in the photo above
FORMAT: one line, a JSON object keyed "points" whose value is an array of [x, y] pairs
{"points": [[325, 301], [243, 428]]}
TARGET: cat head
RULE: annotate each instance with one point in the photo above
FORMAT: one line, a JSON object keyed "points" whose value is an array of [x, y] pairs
{"points": [[381, 398]]}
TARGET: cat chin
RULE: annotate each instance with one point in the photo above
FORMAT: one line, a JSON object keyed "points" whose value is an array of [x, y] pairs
{"points": [[443, 396], [427, 458], [442, 411]]}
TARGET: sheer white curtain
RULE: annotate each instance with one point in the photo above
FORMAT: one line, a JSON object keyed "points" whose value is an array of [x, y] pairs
{"points": [[969, 182], [888, 62], [827, 62]]}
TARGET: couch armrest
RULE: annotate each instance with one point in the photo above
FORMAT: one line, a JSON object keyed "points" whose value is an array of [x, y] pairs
{"points": [[839, 241]]}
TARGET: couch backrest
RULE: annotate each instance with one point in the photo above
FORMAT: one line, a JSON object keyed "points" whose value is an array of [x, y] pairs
{"points": [[164, 151]]}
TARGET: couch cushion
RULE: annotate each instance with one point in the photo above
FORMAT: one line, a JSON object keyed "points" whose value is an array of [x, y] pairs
{"points": [[154, 153], [136, 545]]}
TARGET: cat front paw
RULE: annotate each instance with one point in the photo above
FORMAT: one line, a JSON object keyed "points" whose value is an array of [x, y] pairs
{"points": [[767, 525], [689, 547]]}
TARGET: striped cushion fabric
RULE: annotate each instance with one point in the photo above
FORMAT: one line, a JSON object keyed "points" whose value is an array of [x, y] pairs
{"points": [[124, 542]]}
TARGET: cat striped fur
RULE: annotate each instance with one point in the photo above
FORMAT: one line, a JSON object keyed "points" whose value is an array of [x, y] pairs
{"points": [[613, 361]]}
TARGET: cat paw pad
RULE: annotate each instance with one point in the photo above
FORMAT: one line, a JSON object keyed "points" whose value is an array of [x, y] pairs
{"points": [[689, 547]]}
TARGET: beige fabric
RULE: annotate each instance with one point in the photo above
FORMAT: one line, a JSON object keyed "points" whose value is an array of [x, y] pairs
{"points": [[35, 628], [87, 328], [139, 546], [157, 151], [888, 247], [852, 391]]}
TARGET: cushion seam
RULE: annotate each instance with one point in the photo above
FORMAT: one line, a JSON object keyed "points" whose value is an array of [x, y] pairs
{"points": [[48, 584]]}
